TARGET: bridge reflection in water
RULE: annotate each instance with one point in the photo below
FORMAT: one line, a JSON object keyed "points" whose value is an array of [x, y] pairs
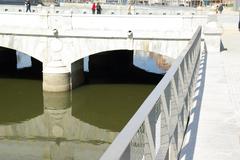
{"points": [[55, 134], [59, 132], [67, 125]]}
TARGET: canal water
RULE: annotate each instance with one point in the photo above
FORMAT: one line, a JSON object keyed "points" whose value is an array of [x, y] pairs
{"points": [[81, 124]]}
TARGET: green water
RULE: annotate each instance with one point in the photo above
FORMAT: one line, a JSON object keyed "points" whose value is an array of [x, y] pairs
{"points": [[108, 106], [37, 125], [80, 124]]}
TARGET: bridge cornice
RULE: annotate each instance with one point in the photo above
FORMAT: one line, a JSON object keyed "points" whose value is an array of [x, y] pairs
{"points": [[92, 34]]}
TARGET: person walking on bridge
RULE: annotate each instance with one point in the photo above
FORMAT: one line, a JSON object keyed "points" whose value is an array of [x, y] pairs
{"points": [[99, 8], [93, 8], [28, 5], [239, 22], [220, 8]]}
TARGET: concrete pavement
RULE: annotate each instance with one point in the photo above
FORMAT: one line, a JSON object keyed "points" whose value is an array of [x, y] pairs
{"points": [[214, 127]]}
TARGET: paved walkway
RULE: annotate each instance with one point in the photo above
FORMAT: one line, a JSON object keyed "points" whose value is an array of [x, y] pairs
{"points": [[214, 128]]}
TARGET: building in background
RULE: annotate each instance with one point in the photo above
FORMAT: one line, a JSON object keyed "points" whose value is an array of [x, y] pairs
{"points": [[213, 2]]}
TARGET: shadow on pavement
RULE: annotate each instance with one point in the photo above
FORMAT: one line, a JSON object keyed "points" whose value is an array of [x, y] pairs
{"points": [[188, 147], [222, 48]]}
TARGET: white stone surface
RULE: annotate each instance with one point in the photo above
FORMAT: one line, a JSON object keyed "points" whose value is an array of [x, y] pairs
{"points": [[85, 8], [212, 36], [79, 36], [52, 37], [214, 129]]}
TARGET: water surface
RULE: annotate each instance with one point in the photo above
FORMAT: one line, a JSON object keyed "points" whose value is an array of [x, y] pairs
{"points": [[68, 125]]}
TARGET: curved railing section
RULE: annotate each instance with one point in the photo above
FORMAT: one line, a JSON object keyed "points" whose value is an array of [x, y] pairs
{"points": [[156, 131]]}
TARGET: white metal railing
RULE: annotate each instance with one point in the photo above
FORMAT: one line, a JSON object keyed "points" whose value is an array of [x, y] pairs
{"points": [[156, 131]]}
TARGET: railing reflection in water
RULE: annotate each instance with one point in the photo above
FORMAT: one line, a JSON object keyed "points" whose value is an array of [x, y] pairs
{"points": [[156, 131]]}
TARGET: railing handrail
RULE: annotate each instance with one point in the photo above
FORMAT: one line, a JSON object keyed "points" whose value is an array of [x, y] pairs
{"points": [[121, 142]]}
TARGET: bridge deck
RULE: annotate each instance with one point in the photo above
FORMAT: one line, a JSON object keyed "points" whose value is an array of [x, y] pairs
{"points": [[214, 127]]}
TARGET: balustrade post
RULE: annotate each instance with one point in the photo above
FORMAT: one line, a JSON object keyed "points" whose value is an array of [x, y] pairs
{"points": [[212, 37]]}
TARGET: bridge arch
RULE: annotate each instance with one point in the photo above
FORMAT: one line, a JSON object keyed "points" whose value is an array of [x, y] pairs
{"points": [[159, 59], [125, 63], [83, 47], [30, 46], [23, 51], [51, 50]]}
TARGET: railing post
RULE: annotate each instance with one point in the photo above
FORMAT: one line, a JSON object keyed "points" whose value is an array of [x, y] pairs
{"points": [[212, 36]]}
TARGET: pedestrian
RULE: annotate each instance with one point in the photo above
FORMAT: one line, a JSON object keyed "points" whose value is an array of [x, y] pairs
{"points": [[239, 21], [239, 25], [93, 8], [220, 8], [28, 5], [99, 8], [130, 9]]}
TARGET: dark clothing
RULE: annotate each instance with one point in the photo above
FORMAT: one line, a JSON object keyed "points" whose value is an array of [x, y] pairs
{"points": [[99, 8], [28, 5], [239, 25], [220, 8], [239, 22]]}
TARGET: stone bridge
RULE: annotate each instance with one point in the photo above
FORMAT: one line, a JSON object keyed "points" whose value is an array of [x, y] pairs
{"points": [[60, 41]]}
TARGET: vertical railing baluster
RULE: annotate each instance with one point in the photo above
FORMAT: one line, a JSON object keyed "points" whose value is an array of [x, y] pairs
{"points": [[150, 139], [164, 132]]}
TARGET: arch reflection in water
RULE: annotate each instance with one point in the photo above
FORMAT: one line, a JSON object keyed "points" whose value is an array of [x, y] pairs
{"points": [[152, 62], [54, 135]]}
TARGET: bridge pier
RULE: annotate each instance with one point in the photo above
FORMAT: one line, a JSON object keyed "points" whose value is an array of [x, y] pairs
{"points": [[56, 77], [77, 76]]}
